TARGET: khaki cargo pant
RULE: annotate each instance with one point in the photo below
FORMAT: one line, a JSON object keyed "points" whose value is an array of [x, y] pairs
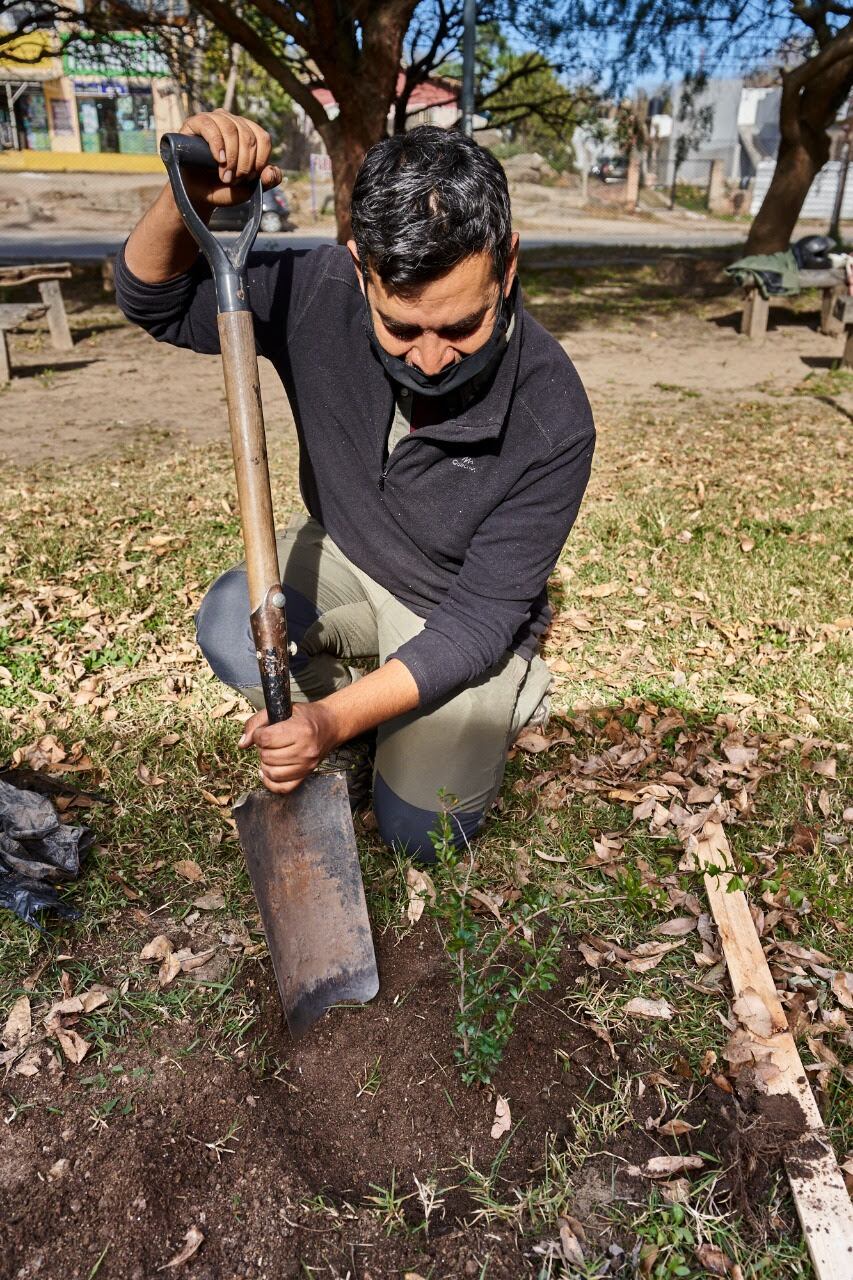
{"points": [[338, 615]]}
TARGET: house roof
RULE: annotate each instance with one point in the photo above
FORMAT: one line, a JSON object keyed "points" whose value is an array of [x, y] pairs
{"points": [[435, 92]]}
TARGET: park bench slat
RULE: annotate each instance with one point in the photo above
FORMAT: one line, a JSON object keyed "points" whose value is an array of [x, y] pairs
{"points": [[33, 273]]}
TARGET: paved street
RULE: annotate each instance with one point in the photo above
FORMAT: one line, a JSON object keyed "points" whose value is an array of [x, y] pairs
{"points": [[93, 246]]}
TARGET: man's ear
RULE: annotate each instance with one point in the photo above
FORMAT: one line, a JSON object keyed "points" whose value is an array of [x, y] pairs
{"points": [[511, 265], [351, 245]]}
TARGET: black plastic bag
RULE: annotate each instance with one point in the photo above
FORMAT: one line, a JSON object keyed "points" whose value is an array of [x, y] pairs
{"points": [[37, 851]]}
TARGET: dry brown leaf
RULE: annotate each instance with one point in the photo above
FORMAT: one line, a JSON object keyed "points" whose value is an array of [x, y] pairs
{"points": [[490, 901], [168, 971], [678, 927], [826, 768], [148, 778], [188, 961], [842, 988], [73, 1045], [591, 956], [187, 869], [223, 709], [550, 857], [714, 1260], [192, 1241], [29, 1064], [639, 1007], [675, 1192], [212, 901], [503, 1117], [19, 1023], [675, 1128], [532, 741], [421, 888], [751, 1010], [570, 1245], [157, 949], [665, 1166], [94, 999], [601, 591]]}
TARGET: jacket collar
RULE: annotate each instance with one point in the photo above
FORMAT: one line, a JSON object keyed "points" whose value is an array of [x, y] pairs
{"points": [[477, 412]]}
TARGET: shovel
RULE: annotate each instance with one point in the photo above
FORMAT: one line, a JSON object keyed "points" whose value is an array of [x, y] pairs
{"points": [[300, 848]]}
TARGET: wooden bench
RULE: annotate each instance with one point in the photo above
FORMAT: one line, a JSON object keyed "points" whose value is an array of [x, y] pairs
{"points": [[833, 286], [12, 314]]}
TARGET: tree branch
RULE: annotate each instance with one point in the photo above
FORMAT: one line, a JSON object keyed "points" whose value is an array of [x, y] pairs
{"points": [[229, 21]]}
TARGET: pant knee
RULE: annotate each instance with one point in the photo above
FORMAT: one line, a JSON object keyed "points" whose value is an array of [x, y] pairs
{"points": [[224, 634], [222, 630], [410, 829]]}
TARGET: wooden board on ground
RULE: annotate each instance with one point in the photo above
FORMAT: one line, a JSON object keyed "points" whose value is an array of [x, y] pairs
{"points": [[820, 1195]]}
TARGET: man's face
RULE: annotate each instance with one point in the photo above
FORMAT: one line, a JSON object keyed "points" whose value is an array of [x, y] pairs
{"points": [[436, 324]]}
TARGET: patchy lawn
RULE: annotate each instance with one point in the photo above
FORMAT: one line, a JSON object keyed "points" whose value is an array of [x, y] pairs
{"points": [[554, 1010]]}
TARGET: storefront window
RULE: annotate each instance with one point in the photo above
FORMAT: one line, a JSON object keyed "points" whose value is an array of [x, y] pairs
{"points": [[32, 120], [117, 118], [136, 132]]}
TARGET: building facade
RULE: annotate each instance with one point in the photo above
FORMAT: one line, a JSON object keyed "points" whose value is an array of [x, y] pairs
{"points": [[60, 109]]}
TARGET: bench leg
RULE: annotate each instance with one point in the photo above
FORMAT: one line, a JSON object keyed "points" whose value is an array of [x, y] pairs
{"points": [[60, 334], [829, 323], [753, 322], [5, 366], [847, 353]]}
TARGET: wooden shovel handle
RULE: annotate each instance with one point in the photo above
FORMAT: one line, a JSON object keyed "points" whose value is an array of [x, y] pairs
{"points": [[248, 442]]}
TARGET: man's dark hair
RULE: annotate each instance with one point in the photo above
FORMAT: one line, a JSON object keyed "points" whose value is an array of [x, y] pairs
{"points": [[423, 201]]}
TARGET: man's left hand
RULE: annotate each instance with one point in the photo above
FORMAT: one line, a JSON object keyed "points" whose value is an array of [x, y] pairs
{"points": [[292, 749]]}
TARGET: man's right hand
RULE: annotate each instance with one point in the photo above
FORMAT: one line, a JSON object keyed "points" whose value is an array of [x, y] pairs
{"points": [[160, 247], [242, 149]]}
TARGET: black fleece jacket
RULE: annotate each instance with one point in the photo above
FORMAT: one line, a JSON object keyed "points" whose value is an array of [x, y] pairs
{"points": [[465, 520]]}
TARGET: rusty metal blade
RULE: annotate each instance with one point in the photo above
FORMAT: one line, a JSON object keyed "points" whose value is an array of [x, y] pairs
{"points": [[303, 862]]}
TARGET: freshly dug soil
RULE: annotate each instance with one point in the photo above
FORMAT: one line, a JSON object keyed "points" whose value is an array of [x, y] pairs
{"points": [[278, 1171]]}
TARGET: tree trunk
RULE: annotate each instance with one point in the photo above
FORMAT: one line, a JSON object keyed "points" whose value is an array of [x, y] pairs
{"points": [[773, 225], [346, 152], [812, 95]]}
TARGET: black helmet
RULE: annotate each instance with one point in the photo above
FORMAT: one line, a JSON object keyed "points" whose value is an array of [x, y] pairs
{"points": [[811, 253]]}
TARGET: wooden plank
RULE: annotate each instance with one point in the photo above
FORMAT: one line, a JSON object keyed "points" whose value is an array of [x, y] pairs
{"points": [[30, 273], [60, 334], [822, 279], [14, 313], [753, 321], [847, 353], [820, 1195], [830, 323], [842, 310]]}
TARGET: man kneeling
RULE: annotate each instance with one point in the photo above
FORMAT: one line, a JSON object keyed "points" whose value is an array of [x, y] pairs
{"points": [[445, 444]]}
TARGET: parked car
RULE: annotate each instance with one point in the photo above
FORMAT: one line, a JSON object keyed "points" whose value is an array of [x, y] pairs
{"points": [[610, 169], [275, 216]]}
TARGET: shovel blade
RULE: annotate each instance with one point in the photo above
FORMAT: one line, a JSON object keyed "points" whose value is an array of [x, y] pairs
{"points": [[303, 862]]}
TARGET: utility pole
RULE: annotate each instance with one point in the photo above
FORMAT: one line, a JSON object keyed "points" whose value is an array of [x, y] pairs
{"points": [[469, 18]]}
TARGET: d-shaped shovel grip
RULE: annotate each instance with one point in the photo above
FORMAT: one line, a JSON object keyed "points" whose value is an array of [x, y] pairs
{"points": [[245, 416]]}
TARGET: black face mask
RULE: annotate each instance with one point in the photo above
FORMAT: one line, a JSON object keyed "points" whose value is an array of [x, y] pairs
{"points": [[457, 375]]}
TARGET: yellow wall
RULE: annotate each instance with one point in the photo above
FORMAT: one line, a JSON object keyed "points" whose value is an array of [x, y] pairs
{"points": [[61, 90], [77, 162], [170, 108]]}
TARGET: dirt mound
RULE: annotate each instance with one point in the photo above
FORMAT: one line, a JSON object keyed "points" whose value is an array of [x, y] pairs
{"points": [[312, 1151]]}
